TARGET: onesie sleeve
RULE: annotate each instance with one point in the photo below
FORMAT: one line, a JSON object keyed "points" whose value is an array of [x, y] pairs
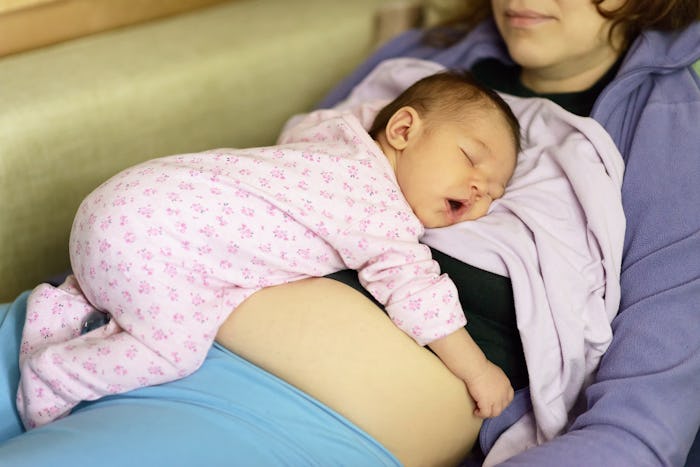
{"points": [[402, 275]]}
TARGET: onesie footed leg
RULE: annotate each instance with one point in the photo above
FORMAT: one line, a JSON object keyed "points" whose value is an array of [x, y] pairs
{"points": [[54, 315], [54, 379], [105, 361], [37, 401]]}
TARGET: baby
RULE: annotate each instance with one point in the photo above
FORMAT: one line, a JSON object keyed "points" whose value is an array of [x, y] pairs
{"points": [[170, 247]]}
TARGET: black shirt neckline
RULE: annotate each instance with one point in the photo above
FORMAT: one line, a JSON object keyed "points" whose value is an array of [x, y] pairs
{"points": [[505, 78]]}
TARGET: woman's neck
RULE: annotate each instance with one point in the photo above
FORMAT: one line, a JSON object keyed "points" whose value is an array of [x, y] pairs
{"points": [[566, 78]]}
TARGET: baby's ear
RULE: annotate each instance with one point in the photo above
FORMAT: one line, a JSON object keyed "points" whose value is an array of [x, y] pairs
{"points": [[401, 126]]}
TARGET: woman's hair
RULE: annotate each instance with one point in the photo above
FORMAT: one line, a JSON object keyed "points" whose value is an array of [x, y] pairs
{"points": [[634, 16], [449, 93], [631, 18]]}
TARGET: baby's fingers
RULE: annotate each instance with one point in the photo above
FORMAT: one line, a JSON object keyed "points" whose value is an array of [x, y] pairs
{"points": [[493, 409], [484, 412], [487, 409]]}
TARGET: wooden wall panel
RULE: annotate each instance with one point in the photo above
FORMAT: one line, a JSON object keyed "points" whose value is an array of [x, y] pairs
{"points": [[28, 24]]}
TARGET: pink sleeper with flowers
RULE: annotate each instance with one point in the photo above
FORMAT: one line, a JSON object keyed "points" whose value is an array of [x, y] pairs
{"points": [[171, 246]]}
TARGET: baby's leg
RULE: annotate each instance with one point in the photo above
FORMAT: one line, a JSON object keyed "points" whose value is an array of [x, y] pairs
{"points": [[54, 315], [150, 340], [105, 361]]}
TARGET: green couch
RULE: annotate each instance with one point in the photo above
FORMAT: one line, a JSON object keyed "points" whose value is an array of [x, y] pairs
{"points": [[73, 114]]}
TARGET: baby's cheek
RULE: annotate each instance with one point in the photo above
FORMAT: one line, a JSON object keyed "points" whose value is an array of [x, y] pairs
{"points": [[480, 209]]}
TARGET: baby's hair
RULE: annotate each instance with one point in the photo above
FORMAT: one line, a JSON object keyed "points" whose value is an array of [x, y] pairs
{"points": [[447, 93]]}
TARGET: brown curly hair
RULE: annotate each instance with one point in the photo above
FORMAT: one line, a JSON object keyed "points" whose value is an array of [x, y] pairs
{"points": [[631, 18]]}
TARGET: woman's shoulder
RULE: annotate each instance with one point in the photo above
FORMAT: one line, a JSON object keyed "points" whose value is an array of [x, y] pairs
{"points": [[661, 53], [656, 74]]}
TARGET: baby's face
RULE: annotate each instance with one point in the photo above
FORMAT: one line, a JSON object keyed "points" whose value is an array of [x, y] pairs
{"points": [[452, 171]]}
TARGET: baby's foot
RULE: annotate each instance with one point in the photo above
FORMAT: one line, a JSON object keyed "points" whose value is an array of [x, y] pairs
{"points": [[54, 314], [38, 402]]}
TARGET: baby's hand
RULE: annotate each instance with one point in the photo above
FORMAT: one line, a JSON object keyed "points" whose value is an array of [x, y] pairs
{"points": [[486, 383], [491, 390]]}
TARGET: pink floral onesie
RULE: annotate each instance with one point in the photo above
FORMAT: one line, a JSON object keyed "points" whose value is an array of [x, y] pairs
{"points": [[171, 246]]}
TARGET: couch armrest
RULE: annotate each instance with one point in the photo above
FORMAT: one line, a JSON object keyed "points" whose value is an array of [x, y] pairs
{"points": [[225, 76]]}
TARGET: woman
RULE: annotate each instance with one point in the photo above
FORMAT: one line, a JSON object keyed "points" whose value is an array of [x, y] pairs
{"points": [[589, 58], [331, 342]]}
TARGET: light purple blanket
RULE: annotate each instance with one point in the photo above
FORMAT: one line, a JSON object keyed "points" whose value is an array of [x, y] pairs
{"points": [[557, 233]]}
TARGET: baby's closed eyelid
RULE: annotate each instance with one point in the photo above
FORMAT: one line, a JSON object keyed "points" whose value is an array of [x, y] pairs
{"points": [[466, 154]]}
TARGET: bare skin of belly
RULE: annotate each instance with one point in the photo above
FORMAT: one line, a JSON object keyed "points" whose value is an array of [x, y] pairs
{"points": [[331, 342]]}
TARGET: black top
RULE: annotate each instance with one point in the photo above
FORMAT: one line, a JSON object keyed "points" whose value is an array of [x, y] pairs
{"points": [[506, 78], [487, 298]]}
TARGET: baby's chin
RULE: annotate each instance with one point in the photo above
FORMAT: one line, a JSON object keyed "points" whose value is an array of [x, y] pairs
{"points": [[435, 223], [438, 223]]}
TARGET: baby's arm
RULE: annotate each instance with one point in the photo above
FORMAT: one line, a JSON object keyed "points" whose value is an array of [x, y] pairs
{"points": [[487, 383], [424, 303], [402, 275]]}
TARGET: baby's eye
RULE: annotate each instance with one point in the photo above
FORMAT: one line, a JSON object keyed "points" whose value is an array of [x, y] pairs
{"points": [[471, 162]]}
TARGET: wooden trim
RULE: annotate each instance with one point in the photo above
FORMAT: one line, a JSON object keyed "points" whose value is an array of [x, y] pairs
{"points": [[12, 5], [29, 24]]}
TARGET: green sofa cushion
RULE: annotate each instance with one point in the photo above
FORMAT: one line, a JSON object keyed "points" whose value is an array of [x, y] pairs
{"points": [[226, 76]]}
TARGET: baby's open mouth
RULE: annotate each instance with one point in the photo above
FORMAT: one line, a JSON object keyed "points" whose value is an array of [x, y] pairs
{"points": [[458, 209], [455, 205]]}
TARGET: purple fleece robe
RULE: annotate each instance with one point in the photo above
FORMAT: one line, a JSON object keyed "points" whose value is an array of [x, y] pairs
{"points": [[644, 407]]}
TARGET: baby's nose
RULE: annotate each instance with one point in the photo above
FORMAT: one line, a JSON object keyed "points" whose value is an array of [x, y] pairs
{"points": [[478, 188]]}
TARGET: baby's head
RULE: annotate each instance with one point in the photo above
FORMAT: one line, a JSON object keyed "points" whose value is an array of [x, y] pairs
{"points": [[453, 146]]}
